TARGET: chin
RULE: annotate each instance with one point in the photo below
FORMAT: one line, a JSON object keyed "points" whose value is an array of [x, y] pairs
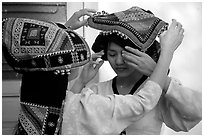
{"points": [[126, 73], [123, 74]]}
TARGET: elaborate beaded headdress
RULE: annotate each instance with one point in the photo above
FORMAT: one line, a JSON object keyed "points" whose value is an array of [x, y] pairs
{"points": [[135, 25], [34, 45]]}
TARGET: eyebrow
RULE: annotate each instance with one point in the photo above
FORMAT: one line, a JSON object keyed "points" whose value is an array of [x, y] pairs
{"points": [[111, 50]]}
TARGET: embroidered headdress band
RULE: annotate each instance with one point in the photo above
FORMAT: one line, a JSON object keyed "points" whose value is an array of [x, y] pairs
{"points": [[139, 26]]}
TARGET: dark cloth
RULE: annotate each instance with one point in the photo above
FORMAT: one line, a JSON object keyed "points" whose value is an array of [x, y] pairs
{"points": [[41, 101]]}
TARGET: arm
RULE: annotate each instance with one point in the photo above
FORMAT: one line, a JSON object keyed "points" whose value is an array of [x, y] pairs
{"points": [[181, 107], [169, 43]]}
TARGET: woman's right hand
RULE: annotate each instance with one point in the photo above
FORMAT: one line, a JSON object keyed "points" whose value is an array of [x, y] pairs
{"points": [[172, 38], [139, 60]]}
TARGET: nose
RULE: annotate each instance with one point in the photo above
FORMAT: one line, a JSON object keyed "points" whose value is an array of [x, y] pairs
{"points": [[119, 60]]}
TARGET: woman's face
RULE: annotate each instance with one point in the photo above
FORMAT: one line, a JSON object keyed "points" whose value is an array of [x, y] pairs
{"points": [[114, 56]]}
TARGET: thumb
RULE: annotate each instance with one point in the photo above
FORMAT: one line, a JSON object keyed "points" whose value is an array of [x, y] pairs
{"points": [[163, 34], [83, 22], [99, 65]]}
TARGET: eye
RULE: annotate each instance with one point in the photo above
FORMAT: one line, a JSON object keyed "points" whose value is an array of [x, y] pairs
{"points": [[111, 54]]}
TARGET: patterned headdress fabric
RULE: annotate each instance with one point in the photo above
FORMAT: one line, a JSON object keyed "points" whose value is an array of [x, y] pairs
{"points": [[34, 45], [137, 25]]}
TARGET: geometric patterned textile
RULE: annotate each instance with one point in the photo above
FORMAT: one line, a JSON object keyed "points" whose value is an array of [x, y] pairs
{"points": [[34, 45], [38, 120], [136, 24]]}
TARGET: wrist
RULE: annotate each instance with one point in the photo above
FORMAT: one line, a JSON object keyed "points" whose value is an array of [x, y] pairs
{"points": [[67, 25], [166, 54], [78, 86]]}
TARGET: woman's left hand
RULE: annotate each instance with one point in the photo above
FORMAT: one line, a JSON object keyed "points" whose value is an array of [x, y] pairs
{"points": [[90, 70], [139, 60], [75, 23]]}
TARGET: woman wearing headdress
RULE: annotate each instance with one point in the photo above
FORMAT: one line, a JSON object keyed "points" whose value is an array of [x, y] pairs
{"points": [[124, 35], [41, 51], [92, 114]]}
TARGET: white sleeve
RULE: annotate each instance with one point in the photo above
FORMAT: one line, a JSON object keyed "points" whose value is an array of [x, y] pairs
{"points": [[181, 107]]}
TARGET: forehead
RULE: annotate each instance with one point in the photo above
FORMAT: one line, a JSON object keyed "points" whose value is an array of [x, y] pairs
{"points": [[114, 46]]}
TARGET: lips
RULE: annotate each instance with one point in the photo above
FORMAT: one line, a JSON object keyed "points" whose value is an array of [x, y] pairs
{"points": [[121, 68]]}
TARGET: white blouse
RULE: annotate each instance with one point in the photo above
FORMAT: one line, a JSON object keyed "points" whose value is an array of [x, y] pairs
{"points": [[144, 113], [180, 109], [91, 113]]}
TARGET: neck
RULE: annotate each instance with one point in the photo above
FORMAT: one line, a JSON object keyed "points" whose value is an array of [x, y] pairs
{"points": [[129, 80], [125, 84]]}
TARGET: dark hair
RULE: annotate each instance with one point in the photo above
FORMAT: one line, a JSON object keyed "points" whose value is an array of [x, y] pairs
{"points": [[101, 43]]}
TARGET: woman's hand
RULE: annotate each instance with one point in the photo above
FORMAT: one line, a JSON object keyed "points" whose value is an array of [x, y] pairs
{"points": [[75, 23], [172, 38], [139, 60], [90, 70], [169, 40]]}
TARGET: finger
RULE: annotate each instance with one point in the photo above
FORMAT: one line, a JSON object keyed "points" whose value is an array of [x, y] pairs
{"points": [[87, 12], [97, 55], [181, 31], [163, 34], [173, 24], [179, 26], [135, 51], [90, 10], [130, 57], [182, 36], [132, 64], [99, 65], [83, 22]]}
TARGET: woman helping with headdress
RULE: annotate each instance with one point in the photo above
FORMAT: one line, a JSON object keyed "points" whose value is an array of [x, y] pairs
{"points": [[44, 53]]}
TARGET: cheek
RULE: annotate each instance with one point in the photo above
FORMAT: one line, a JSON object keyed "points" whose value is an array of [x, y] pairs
{"points": [[131, 69], [111, 61]]}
